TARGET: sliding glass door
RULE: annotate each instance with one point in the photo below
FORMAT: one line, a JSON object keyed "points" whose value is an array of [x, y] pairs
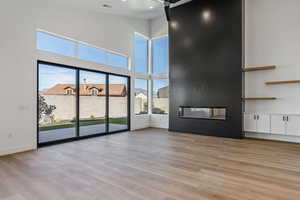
{"points": [[77, 103], [92, 103], [56, 103], [118, 103]]}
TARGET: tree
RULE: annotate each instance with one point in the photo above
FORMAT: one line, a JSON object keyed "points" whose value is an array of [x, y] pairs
{"points": [[44, 108]]}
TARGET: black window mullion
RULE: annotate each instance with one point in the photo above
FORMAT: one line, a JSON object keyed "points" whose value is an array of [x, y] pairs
{"points": [[77, 103], [129, 103], [107, 103]]}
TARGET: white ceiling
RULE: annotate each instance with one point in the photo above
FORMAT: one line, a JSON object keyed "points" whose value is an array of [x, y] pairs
{"points": [[132, 8]]}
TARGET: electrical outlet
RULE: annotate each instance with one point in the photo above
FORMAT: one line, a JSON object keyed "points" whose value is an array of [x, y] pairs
{"points": [[10, 135]]}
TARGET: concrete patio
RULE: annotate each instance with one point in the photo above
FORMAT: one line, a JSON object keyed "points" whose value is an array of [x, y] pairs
{"points": [[65, 133]]}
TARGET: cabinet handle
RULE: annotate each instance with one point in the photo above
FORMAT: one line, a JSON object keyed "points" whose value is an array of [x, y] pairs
{"points": [[257, 117], [254, 117], [287, 118], [283, 118]]}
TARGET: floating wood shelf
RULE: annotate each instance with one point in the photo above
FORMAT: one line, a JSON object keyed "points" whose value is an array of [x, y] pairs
{"points": [[251, 69], [282, 82], [259, 98]]}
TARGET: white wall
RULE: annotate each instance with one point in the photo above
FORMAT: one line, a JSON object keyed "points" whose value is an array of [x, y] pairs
{"points": [[159, 121], [158, 26], [272, 38], [18, 21]]}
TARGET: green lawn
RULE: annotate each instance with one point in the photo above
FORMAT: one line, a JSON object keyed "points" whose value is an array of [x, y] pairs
{"points": [[83, 123]]}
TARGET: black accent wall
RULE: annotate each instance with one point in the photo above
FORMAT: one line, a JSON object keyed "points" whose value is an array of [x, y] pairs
{"points": [[205, 65]]}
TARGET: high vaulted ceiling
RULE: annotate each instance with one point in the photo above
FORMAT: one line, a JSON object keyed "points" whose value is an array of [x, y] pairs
{"points": [[144, 9]]}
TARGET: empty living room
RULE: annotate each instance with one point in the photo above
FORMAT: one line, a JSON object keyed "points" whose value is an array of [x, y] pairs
{"points": [[150, 100]]}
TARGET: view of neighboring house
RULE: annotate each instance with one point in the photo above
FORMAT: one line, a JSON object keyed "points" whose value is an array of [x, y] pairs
{"points": [[163, 92], [92, 102], [116, 90]]}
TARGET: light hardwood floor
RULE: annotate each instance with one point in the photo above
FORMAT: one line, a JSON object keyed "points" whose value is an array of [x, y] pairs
{"points": [[154, 164]]}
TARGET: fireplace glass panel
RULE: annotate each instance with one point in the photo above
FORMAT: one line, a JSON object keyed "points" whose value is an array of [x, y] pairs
{"points": [[202, 113]]}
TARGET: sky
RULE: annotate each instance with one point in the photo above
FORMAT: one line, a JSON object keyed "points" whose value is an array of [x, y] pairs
{"points": [[160, 55]]}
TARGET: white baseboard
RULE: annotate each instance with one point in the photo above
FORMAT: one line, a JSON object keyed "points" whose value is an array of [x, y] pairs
{"points": [[283, 138], [16, 150]]}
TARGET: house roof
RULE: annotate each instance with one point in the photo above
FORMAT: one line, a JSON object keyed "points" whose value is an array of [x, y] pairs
{"points": [[85, 89]]}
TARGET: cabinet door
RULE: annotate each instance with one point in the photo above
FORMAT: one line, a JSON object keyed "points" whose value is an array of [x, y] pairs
{"points": [[293, 125], [263, 123], [249, 123], [278, 125]]}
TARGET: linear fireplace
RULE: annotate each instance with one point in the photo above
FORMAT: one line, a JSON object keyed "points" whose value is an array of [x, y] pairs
{"points": [[212, 113]]}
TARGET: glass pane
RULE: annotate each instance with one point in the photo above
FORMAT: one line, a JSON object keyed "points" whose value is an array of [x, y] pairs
{"points": [[91, 54], [118, 103], [160, 50], [160, 96], [141, 54], [92, 103], [53, 44], [117, 61], [202, 113], [141, 96], [57, 103]]}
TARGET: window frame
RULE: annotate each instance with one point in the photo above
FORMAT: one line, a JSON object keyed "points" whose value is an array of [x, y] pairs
{"points": [[77, 96], [149, 76], [69, 91], [76, 50], [94, 92]]}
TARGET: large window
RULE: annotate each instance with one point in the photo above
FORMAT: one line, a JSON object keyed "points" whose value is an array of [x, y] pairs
{"points": [[75, 103], [91, 54], [140, 54], [160, 55], [117, 60], [160, 96], [70, 48], [157, 74], [141, 96], [53, 44]]}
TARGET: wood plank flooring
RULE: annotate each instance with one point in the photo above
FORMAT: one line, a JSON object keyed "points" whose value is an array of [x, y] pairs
{"points": [[154, 164]]}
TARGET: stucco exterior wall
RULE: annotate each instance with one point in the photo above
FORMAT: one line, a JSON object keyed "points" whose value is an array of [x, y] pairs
{"points": [[90, 106]]}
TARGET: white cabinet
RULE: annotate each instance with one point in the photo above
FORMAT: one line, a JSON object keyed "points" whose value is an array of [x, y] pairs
{"points": [[249, 123], [285, 125], [278, 124], [293, 125], [263, 123], [257, 123]]}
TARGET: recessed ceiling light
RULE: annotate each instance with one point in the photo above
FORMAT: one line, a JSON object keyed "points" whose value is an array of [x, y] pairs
{"points": [[124, 0], [151, 7]]}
